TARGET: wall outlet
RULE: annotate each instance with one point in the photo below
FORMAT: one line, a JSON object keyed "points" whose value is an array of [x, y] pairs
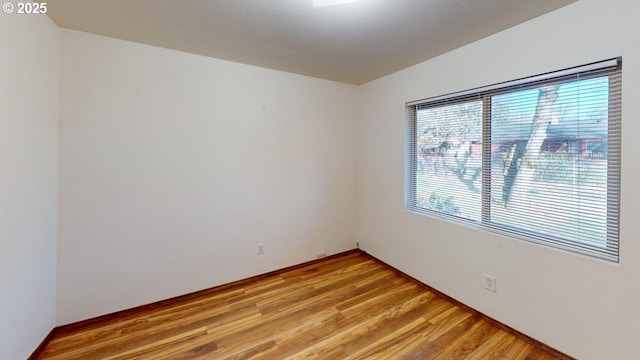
{"points": [[490, 283], [260, 249], [320, 256]]}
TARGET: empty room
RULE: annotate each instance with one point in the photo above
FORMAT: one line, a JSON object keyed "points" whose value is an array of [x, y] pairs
{"points": [[319, 179]]}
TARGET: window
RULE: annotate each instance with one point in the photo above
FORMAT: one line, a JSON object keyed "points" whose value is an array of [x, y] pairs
{"points": [[535, 158]]}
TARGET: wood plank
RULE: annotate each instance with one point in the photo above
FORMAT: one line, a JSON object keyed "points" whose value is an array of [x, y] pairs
{"points": [[345, 307]]}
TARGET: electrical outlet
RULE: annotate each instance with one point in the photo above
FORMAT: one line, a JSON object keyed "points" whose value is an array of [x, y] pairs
{"points": [[490, 283], [260, 249], [322, 255]]}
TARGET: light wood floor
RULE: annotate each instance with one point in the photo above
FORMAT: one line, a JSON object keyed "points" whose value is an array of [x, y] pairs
{"points": [[350, 307]]}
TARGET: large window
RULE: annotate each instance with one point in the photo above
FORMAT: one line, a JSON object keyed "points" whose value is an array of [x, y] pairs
{"points": [[535, 158]]}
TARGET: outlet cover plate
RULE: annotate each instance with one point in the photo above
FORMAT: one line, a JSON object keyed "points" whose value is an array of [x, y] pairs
{"points": [[490, 283]]}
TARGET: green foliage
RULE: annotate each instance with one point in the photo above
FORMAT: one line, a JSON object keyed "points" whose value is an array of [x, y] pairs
{"points": [[442, 204], [571, 171]]}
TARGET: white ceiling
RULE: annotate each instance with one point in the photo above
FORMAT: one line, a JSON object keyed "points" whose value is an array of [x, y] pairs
{"points": [[352, 43]]}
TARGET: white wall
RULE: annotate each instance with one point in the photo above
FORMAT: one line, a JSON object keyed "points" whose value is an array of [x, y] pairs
{"points": [[28, 184], [175, 166], [585, 307]]}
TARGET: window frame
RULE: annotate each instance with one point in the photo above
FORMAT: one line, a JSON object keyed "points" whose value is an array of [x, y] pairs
{"points": [[612, 68]]}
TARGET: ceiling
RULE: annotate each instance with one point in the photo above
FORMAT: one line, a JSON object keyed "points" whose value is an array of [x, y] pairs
{"points": [[351, 43]]}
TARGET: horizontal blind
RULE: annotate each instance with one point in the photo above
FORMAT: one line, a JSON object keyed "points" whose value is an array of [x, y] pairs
{"points": [[538, 160], [448, 179]]}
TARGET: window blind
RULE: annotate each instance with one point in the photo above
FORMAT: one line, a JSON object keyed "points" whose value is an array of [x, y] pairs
{"points": [[536, 158]]}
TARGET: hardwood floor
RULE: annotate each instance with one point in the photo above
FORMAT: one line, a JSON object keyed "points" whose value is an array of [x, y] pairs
{"points": [[347, 307]]}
